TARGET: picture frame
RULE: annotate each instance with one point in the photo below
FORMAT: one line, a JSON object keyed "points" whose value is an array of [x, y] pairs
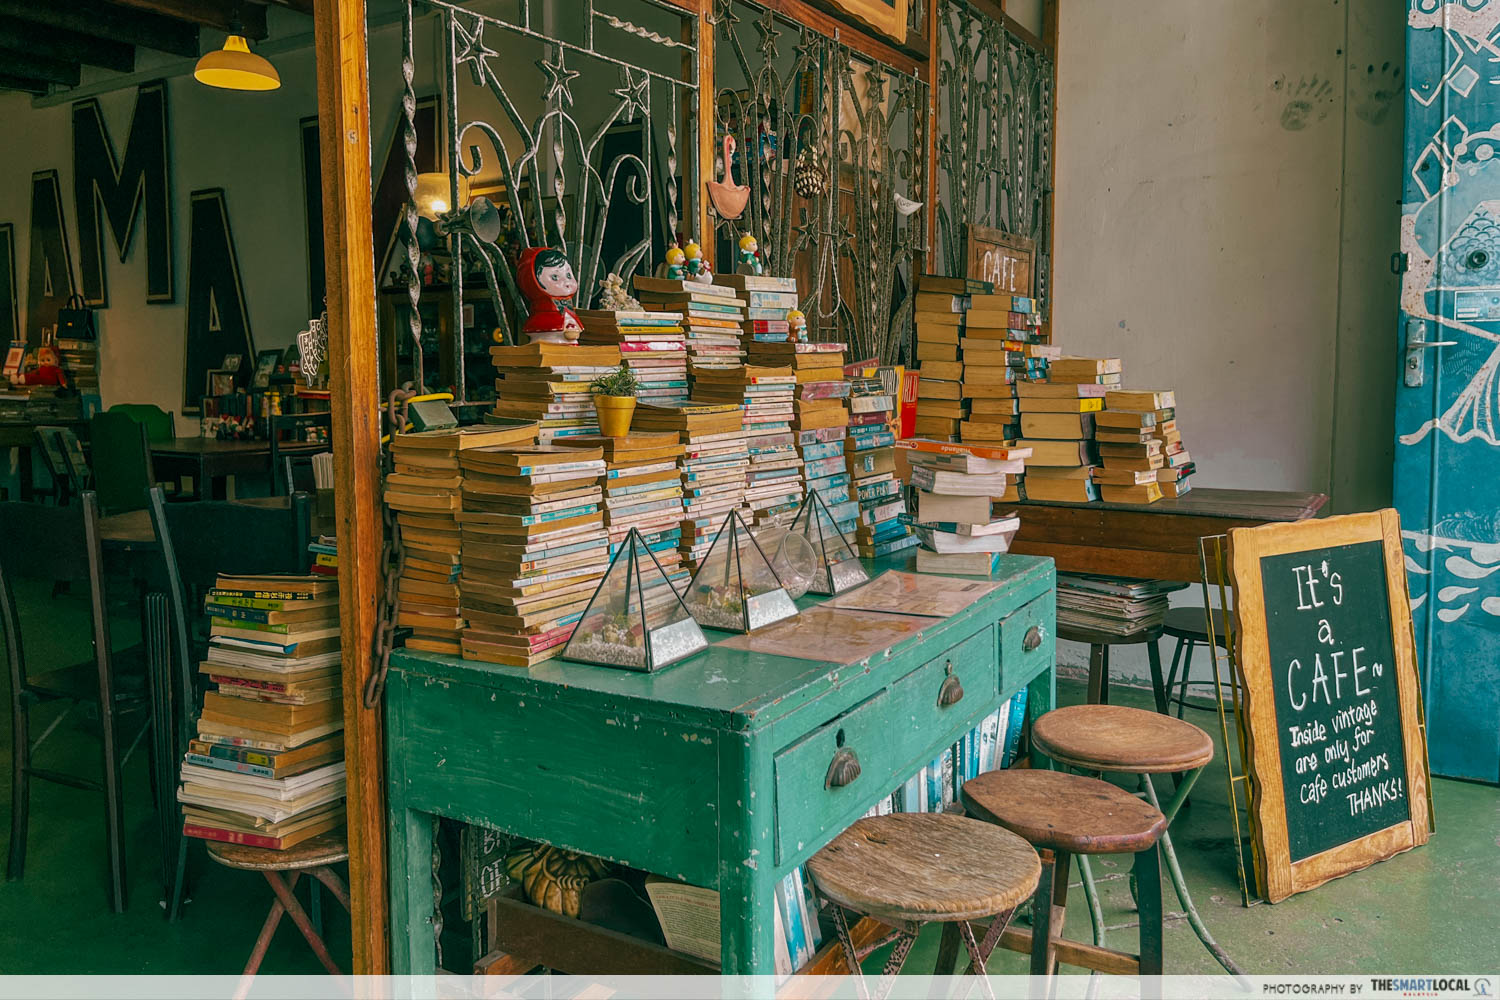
{"points": [[232, 362], [266, 363], [15, 358], [887, 17], [219, 382]]}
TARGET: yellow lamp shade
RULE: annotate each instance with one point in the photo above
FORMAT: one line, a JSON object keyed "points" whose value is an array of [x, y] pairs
{"points": [[235, 67], [432, 195]]}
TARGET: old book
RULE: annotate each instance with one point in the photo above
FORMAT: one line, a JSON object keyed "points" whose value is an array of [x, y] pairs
{"points": [[1066, 368], [477, 436], [933, 508], [1142, 493], [949, 371], [1140, 399], [1026, 389], [1047, 452], [1060, 490], [958, 563], [1057, 426]]}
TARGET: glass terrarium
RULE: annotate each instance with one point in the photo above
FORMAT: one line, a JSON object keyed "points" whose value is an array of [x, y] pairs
{"points": [[635, 620], [735, 589], [838, 568], [791, 555]]}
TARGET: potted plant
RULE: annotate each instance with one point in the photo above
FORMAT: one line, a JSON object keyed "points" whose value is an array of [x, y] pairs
{"points": [[614, 400]]}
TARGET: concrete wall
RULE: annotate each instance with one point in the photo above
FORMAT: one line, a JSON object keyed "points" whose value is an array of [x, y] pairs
{"points": [[1228, 187]]}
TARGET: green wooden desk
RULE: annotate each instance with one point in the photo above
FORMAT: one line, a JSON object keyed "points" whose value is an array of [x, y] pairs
{"points": [[710, 771]]}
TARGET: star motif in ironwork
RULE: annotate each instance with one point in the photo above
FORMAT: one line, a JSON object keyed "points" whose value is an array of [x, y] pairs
{"points": [[474, 51], [634, 93], [559, 77], [768, 34], [876, 80]]}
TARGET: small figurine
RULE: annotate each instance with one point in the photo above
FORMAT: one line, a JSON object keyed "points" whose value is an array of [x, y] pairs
{"points": [[796, 325], [673, 267], [612, 293], [48, 370], [749, 256], [697, 267], [548, 282]]}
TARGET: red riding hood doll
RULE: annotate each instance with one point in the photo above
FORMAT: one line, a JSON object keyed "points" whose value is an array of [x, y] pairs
{"points": [[548, 282]]}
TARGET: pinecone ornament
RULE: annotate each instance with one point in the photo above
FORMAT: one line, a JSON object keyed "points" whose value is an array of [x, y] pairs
{"points": [[552, 877], [810, 174]]}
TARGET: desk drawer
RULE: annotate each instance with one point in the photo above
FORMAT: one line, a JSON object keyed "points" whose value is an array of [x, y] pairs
{"points": [[886, 735], [1028, 638]]}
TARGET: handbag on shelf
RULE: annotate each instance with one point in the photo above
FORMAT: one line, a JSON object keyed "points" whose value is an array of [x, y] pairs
{"points": [[75, 321]]}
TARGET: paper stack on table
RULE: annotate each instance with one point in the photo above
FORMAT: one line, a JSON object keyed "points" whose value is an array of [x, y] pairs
{"points": [[1110, 604]]}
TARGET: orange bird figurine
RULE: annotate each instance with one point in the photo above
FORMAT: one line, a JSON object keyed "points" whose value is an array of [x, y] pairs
{"points": [[728, 197]]}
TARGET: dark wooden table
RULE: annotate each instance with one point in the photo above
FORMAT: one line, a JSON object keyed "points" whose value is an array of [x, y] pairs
{"points": [[211, 461], [1157, 541], [23, 437]]}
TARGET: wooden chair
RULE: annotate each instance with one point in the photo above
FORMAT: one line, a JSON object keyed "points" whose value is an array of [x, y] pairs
{"points": [[1098, 739], [296, 425], [122, 462], [1099, 644], [57, 544], [198, 542], [1063, 815], [910, 869], [63, 454], [315, 857], [1190, 629], [161, 425]]}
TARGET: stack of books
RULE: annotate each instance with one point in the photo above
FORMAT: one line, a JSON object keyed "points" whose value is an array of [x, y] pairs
{"points": [[1111, 604], [870, 459], [939, 312], [267, 766], [1129, 449], [534, 548], [767, 299], [712, 317], [713, 465], [773, 480], [1001, 347], [642, 486], [425, 490], [80, 359], [954, 487], [650, 343], [1057, 424], [819, 422], [994, 743], [325, 553], [549, 383]]}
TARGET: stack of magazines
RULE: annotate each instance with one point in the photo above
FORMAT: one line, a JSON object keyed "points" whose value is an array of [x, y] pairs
{"points": [[1111, 604]]}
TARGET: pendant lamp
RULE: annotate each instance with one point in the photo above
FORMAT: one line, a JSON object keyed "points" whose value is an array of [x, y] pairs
{"points": [[235, 67]]}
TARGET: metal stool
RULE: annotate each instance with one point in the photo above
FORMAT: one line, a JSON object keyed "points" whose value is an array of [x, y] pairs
{"points": [[1063, 815], [910, 869], [1099, 644], [1187, 626], [312, 857], [1100, 738]]}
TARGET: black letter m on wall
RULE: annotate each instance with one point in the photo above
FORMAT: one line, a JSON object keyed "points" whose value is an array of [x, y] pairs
{"points": [[120, 192]]}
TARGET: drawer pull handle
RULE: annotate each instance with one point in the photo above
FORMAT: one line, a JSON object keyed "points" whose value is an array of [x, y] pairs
{"points": [[1033, 639], [952, 691], [843, 769]]}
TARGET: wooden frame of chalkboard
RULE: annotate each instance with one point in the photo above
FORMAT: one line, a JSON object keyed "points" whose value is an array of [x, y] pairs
{"points": [[1326, 657]]}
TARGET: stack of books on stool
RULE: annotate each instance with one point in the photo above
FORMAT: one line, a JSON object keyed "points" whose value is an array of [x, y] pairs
{"points": [[1114, 605], [267, 766]]}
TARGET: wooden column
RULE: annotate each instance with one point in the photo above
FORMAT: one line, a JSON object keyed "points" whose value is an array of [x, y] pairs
{"points": [[707, 130], [344, 136]]}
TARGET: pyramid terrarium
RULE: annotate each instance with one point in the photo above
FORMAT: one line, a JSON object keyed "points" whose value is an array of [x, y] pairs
{"points": [[838, 568], [635, 620], [735, 589]]}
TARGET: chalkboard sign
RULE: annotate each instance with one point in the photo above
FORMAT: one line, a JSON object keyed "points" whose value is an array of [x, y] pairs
{"points": [[1333, 715]]}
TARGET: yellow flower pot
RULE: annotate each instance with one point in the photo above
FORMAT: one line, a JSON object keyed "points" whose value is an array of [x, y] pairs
{"points": [[615, 414]]}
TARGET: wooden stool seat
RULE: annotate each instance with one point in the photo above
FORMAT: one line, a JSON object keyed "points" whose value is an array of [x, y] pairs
{"points": [[1188, 623], [923, 867], [324, 849], [1087, 635], [1116, 738], [1064, 812]]}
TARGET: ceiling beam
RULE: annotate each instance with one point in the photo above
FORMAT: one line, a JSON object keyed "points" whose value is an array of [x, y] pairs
{"points": [[300, 6], [21, 83], [59, 44], [31, 66], [221, 15], [105, 20]]}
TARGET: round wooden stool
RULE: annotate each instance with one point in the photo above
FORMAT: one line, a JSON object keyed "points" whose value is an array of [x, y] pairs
{"points": [[1063, 815], [1099, 644], [312, 857], [910, 869], [1189, 628], [1100, 738]]}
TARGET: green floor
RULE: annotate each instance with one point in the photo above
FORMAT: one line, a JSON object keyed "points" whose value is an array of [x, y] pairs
{"points": [[1432, 909]]}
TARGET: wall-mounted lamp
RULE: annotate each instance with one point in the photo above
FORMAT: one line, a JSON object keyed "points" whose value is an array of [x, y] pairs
{"points": [[437, 218]]}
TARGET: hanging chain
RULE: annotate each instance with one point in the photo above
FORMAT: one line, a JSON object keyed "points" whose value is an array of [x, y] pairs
{"points": [[392, 561]]}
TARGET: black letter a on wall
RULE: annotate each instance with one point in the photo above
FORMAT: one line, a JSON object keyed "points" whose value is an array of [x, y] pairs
{"points": [[217, 322], [50, 278], [120, 192]]}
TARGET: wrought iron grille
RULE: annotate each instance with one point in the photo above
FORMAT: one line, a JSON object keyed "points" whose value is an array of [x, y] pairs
{"points": [[550, 135], [994, 136], [831, 145]]}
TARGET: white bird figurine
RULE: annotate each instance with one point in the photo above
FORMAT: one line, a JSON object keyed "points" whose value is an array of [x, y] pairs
{"points": [[904, 205], [728, 197]]}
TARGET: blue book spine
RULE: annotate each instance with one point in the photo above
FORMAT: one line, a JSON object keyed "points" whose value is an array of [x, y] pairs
{"points": [[1014, 725], [822, 450], [896, 545]]}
